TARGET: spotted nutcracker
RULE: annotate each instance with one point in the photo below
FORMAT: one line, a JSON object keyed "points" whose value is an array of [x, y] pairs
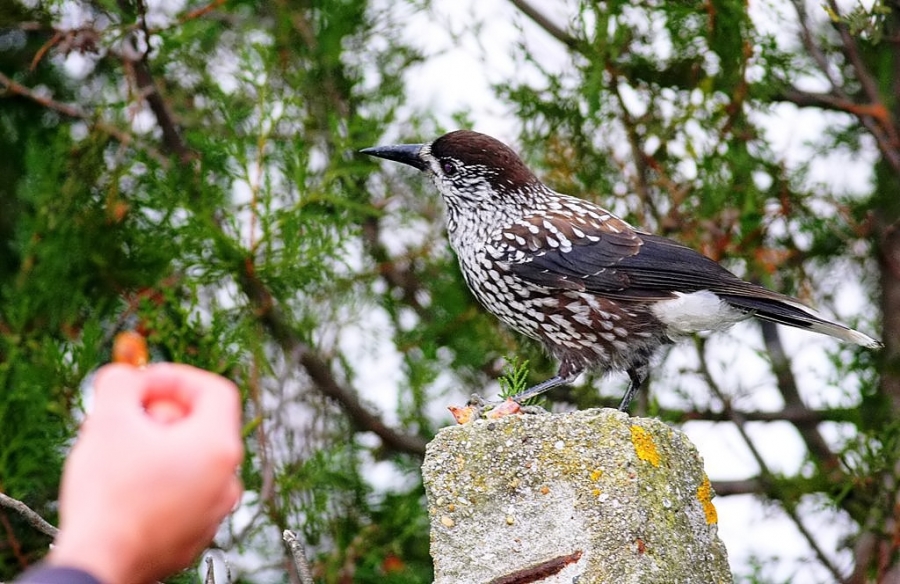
{"points": [[598, 293]]}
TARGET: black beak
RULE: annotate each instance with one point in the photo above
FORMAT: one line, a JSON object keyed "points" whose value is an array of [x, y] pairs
{"points": [[405, 153]]}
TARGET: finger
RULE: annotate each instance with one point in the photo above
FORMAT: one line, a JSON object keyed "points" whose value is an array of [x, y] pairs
{"points": [[234, 494], [211, 399], [209, 406], [124, 389], [117, 390], [174, 392], [165, 411]]}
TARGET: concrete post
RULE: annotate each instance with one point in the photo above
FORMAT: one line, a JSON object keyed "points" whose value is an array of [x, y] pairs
{"points": [[593, 495]]}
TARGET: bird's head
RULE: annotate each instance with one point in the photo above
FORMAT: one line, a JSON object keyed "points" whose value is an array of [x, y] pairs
{"points": [[468, 168]]}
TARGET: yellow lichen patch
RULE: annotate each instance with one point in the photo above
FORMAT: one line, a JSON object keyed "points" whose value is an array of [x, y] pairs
{"points": [[644, 446], [704, 495], [596, 474]]}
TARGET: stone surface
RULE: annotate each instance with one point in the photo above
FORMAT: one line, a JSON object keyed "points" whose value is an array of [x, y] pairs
{"points": [[592, 494]]}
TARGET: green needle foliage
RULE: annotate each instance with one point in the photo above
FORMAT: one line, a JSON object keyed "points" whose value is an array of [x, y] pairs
{"points": [[515, 377]]}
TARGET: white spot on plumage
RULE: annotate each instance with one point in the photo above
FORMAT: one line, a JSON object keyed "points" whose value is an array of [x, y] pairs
{"points": [[584, 320]]}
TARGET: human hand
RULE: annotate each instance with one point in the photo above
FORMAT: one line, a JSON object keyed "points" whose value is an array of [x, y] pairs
{"points": [[152, 473]]}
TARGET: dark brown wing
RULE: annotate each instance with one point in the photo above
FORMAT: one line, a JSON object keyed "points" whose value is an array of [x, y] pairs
{"points": [[607, 256], [602, 254], [568, 251]]}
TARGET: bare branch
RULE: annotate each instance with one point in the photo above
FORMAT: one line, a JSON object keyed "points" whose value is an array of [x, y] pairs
{"points": [[874, 116], [641, 183], [851, 51], [202, 11], [795, 415], [30, 516], [826, 101], [787, 386], [752, 486], [545, 23], [71, 111], [813, 48], [276, 322], [766, 477], [210, 571], [300, 562]]}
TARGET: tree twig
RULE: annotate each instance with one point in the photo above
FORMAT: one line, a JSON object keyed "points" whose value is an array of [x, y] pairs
{"points": [[29, 515], [874, 116], [147, 88], [787, 386], [751, 486], [270, 315], [299, 556], [545, 23], [75, 112], [795, 415], [766, 477], [210, 571]]}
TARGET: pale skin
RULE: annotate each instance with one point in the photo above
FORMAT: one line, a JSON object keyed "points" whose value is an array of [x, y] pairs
{"points": [[152, 473]]}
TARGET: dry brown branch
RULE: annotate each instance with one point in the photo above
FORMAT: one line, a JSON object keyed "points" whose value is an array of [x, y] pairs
{"points": [[545, 23], [304, 571], [874, 115], [271, 316], [72, 111], [29, 515], [787, 386], [766, 478], [751, 486], [794, 415], [202, 11]]}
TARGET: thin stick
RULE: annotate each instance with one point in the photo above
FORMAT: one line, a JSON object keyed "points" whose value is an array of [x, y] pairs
{"points": [[300, 562], [210, 571], [30, 516]]}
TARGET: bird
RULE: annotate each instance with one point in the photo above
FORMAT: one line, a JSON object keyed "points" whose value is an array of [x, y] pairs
{"points": [[598, 293]]}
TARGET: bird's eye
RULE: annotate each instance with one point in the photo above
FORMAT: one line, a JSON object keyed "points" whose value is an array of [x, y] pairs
{"points": [[449, 168]]}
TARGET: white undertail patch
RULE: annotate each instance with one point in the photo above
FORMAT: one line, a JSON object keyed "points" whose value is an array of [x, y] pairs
{"points": [[697, 311]]}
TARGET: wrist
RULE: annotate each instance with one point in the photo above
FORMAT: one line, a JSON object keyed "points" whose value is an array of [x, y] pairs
{"points": [[98, 559], [49, 574]]}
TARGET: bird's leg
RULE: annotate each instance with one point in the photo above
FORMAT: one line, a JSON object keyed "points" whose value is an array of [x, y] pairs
{"points": [[637, 377], [540, 388], [568, 372]]}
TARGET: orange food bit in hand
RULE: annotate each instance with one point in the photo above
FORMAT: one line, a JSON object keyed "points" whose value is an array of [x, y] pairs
{"points": [[130, 348]]}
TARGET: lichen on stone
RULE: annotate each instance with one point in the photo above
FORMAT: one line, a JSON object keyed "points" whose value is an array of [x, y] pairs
{"points": [[644, 446]]}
